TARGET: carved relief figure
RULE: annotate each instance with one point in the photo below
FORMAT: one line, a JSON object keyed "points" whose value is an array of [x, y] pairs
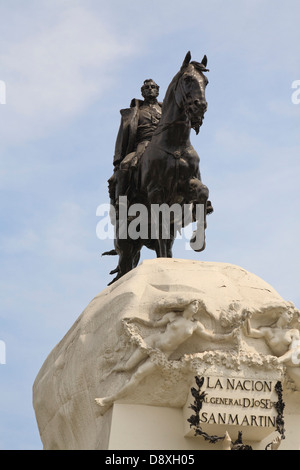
{"points": [[227, 444], [283, 340], [279, 337], [179, 327]]}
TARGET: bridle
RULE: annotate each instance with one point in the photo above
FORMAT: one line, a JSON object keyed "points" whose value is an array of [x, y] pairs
{"points": [[167, 125], [179, 86]]}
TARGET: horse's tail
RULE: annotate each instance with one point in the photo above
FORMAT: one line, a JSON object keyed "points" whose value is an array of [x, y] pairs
{"points": [[117, 269], [110, 253]]}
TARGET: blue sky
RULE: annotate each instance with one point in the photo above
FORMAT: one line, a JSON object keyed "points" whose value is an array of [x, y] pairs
{"points": [[69, 66]]}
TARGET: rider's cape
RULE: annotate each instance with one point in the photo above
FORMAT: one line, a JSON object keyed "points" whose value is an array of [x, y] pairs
{"points": [[126, 138]]}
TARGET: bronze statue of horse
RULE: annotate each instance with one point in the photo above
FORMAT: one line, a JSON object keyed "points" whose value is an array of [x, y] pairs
{"points": [[168, 171]]}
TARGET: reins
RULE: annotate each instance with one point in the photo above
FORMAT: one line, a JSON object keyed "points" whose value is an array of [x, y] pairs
{"points": [[167, 126]]}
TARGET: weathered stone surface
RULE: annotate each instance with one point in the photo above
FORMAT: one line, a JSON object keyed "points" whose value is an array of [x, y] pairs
{"points": [[125, 317]]}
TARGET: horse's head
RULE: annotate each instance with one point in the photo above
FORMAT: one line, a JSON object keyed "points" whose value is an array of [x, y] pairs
{"points": [[190, 90]]}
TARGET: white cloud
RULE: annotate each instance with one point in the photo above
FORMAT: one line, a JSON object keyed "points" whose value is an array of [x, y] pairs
{"points": [[54, 74], [57, 57], [61, 236], [64, 237], [233, 140], [25, 241], [285, 108]]}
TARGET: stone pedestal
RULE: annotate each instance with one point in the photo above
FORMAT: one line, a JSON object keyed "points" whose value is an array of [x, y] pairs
{"points": [[121, 378], [143, 427]]}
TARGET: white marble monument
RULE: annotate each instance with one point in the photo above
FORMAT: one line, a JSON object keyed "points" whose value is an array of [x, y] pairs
{"points": [[122, 376]]}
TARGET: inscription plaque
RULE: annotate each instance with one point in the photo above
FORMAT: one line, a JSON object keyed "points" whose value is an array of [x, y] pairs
{"points": [[236, 404]]}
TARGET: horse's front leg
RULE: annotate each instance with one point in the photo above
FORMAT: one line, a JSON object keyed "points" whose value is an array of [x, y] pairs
{"points": [[162, 249]]}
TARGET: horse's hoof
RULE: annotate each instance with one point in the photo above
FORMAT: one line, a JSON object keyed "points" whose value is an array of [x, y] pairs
{"points": [[209, 208], [196, 245], [198, 250]]}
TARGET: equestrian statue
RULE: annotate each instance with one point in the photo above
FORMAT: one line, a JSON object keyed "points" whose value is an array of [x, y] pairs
{"points": [[155, 166]]}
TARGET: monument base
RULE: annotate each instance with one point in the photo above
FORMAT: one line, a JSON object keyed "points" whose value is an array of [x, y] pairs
{"points": [[143, 427], [121, 378]]}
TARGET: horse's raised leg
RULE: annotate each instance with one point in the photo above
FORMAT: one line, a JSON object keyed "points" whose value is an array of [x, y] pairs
{"points": [[197, 241]]}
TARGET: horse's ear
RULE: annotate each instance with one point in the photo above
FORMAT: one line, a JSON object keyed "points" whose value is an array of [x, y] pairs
{"points": [[204, 61], [186, 61]]}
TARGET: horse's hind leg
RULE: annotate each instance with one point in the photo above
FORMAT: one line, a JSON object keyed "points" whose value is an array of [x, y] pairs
{"points": [[164, 251], [136, 258], [129, 255]]}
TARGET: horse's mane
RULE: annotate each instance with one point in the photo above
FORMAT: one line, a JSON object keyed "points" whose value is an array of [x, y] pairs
{"points": [[170, 89]]}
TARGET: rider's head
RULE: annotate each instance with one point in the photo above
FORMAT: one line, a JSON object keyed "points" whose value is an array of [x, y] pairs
{"points": [[150, 89]]}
